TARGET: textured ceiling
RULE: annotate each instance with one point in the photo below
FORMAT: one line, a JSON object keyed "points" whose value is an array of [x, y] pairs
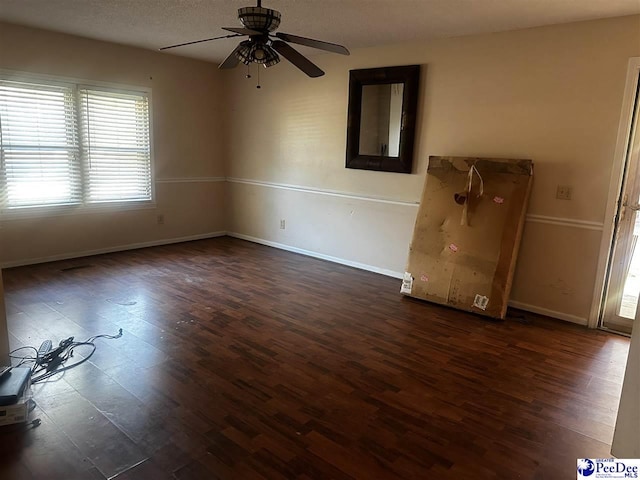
{"points": [[354, 23]]}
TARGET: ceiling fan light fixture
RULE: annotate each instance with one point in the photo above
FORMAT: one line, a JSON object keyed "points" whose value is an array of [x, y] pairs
{"points": [[272, 58], [259, 18], [244, 52], [251, 51]]}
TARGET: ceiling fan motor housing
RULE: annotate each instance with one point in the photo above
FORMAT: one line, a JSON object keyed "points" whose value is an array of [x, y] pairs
{"points": [[259, 18]]}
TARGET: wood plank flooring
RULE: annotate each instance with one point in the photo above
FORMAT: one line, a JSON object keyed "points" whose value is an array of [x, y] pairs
{"points": [[239, 361]]}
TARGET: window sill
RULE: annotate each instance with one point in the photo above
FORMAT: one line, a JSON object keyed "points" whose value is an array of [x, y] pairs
{"points": [[64, 210]]}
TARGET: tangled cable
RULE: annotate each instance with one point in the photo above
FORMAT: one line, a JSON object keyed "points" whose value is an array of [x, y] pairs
{"points": [[52, 362]]}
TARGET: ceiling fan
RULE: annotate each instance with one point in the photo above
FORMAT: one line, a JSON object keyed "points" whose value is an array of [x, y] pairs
{"points": [[265, 47]]}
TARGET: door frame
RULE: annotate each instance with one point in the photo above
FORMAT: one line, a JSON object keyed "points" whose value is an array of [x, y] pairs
{"points": [[615, 188]]}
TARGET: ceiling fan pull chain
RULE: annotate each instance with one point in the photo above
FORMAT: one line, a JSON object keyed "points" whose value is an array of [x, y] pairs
{"points": [[258, 70], [248, 70]]}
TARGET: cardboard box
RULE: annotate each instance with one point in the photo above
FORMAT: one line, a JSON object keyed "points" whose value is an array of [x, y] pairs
{"points": [[467, 233], [16, 413]]}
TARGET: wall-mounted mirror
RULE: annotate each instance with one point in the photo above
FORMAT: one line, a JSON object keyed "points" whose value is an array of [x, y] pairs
{"points": [[382, 117]]}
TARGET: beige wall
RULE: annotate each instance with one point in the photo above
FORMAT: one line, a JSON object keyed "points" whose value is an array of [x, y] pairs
{"points": [[322, 224], [187, 141], [551, 94]]}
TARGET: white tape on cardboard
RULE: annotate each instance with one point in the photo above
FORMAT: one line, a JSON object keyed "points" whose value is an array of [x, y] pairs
{"points": [[407, 283], [481, 301]]}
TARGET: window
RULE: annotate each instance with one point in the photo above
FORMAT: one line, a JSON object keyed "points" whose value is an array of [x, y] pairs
{"points": [[67, 144], [39, 145], [115, 146]]}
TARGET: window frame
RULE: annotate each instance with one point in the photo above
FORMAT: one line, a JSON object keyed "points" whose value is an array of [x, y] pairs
{"points": [[84, 206]]}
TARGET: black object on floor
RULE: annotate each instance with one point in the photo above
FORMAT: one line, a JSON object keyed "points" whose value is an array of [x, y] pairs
{"points": [[12, 385]]}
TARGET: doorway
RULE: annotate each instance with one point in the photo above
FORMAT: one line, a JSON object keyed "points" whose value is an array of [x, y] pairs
{"points": [[623, 288]]}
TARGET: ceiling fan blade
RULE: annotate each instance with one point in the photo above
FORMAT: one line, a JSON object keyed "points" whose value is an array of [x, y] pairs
{"points": [[310, 42], [295, 57], [200, 41], [242, 31], [232, 60]]}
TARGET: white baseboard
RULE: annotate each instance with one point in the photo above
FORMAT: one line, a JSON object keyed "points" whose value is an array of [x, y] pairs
{"points": [[390, 273], [119, 248], [549, 313], [322, 256], [362, 266]]}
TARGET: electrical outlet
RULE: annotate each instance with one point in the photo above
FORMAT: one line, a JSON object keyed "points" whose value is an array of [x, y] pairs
{"points": [[160, 219], [564, 192], [282, 224]]}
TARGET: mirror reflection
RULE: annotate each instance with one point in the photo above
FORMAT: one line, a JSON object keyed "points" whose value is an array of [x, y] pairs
{"points": [[381, 120]]}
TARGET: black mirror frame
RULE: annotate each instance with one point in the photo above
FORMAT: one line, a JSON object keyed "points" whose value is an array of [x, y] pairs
{"points": [[409, 75]]}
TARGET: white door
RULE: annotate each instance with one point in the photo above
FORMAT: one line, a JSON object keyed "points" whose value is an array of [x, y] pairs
{"points": [[623, 290]]}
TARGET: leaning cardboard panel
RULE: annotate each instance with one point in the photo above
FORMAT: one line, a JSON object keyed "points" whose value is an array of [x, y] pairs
{"points": [[467, 233]]}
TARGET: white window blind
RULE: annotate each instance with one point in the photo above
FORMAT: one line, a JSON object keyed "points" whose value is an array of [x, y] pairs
{"points": [[115, 145], [38, 145], [67, 144]]}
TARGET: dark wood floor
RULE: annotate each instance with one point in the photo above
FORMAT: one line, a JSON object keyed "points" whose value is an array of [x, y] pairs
{"points": [[239, 361]]}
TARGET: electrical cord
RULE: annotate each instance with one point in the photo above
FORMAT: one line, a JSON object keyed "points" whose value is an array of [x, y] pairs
{"points": [[53, 362], [22, 348], [24, 359], [104, 335]]}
